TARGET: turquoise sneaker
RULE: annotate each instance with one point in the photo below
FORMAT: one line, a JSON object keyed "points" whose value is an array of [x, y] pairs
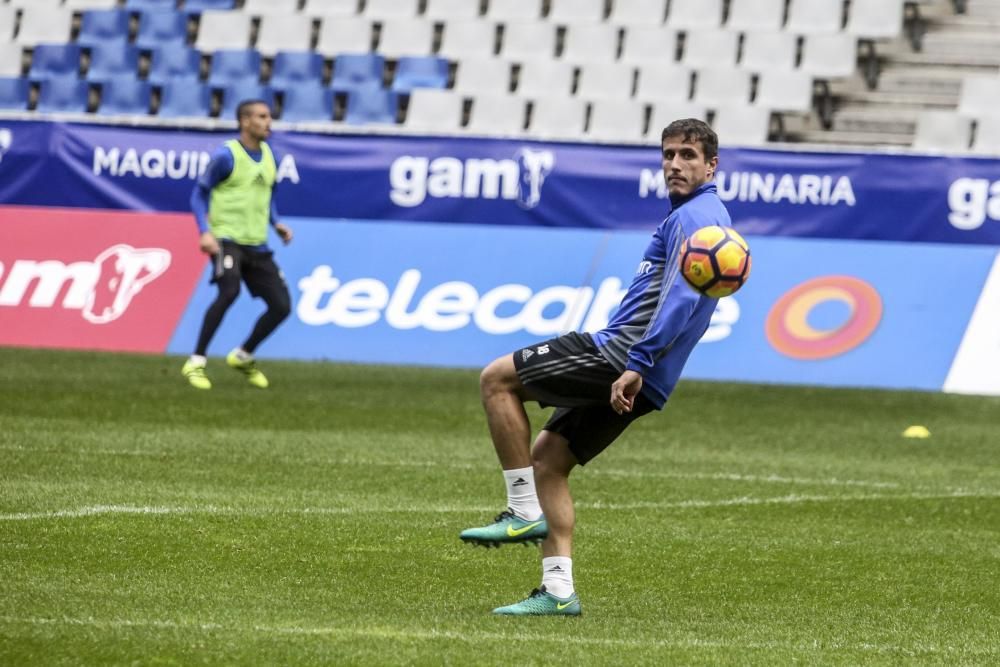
{"points": [[507, 528], [249, 369], [542, 603]]}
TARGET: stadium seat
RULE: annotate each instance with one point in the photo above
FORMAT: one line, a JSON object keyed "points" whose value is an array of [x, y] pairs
{"points": [[270, 7], [124, 95], [695, 14], [173, 62], [617, 120], [381, 10], [642, 44], [344, 34], [240, 91], [367, 105], [514, 10], [544, 78], [607, 80], [829, 56], [150, 5], [657, 83], [631, 13], [784, 90], [316, 8], [41, 24], [293, 68], [55, 61], [420, 72], [815, 17], [463, 39], [281, 32], [101, 26], [63, 95], [558, 118], [756, 15], [667, 111], [567, 12], [406, 37], [769, 50], [941, 132], [232, 65], [8, 21], [590, 43], [483, 76], [450, 10], [307, 102], [987, 140], [496, 114], [742, 125], [875, 19], [185, 99], [218, 30], [432, 110], [717, 86], [158, 27], [710, 48], [528, 41], [357, 70], [111, 60], [78, 5], [201, 6], [980, 95], [11, 59], [14, 92]]}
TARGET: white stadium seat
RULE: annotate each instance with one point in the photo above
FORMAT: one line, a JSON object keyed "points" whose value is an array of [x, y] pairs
{"points": [[657, 83], [710, 48], [514, 10], [980, 95], [742, 125], [434, 110], [450, 10], [41, 25], [941, 132], [529, 40], [497, 114], [815, 17], [695, 14], [875, 19], [380, 10], [483, 76], [638, 12], [344, 34], [406, 37], [284, 32], [331, 7], [264, 7], [717, 86], [545, 78], [598, 81], [468, 38], [769, 50], [829, 56], [666, 112], [784, 90], [590, 42], [223, 29], [760, 15], [576, 11], [558, 118], [649, 44], [617, 120], [987, 141]]}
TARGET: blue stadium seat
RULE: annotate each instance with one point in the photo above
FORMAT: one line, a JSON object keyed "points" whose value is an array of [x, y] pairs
{"points": [[307, 102], [292, 68], [124, 95], [101, 26], [172, 62], [354, 70], [420, 72], [158, 27], [144, 5], [238, 91], [184, 99], [63, 94], [54, 60], [198, 6], [112, 59], [14, 93], [232, 65], [371, 104]]}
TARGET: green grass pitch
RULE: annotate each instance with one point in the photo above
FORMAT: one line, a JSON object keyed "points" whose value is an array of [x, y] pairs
{"points": [[144, 522]]}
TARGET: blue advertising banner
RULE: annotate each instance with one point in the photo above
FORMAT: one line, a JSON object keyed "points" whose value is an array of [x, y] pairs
{"points": [[510, 182], [843, 313]]}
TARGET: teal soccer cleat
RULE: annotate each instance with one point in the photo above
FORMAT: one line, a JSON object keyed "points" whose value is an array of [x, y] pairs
{"points": [[542, 603], [507, 528]]}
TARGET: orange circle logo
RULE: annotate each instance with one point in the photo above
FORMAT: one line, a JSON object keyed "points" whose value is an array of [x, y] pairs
{"points": [[788, 329]]}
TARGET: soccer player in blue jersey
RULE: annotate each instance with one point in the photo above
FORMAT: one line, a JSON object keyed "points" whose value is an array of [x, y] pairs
{"points": [[599, 383], [233, 205]]}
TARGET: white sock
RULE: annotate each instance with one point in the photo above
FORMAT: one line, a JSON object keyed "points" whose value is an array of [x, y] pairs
{"points": [[557, 575], [198, 360], [521, 497]]}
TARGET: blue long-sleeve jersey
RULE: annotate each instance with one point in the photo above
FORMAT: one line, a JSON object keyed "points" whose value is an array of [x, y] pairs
{"points": [[220, 166], [661, 317]]}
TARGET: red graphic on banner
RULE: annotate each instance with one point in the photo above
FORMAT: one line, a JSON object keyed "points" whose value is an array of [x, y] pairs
{"points": [[104, 280]]}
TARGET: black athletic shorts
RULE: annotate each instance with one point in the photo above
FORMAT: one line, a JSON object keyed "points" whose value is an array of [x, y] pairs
{"points": [[570, 373], [256, 268]]}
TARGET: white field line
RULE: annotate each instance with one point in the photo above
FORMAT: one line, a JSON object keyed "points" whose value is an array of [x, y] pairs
{"points": [[745, 501], [474, 636]]}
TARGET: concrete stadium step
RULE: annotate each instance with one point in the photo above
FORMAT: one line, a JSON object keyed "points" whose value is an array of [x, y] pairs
{"points": [[848, 139], [900, 120]]}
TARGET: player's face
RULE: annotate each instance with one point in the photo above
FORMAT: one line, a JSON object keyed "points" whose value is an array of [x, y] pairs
{"points": [[257, 122], [685, 167]]}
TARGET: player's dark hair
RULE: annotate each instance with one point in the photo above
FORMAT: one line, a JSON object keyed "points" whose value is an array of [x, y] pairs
{"points": [[243, 108], [691, 130]]}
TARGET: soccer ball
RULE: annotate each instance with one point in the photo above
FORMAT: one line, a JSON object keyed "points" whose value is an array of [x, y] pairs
{"points": [[715, 261]]}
